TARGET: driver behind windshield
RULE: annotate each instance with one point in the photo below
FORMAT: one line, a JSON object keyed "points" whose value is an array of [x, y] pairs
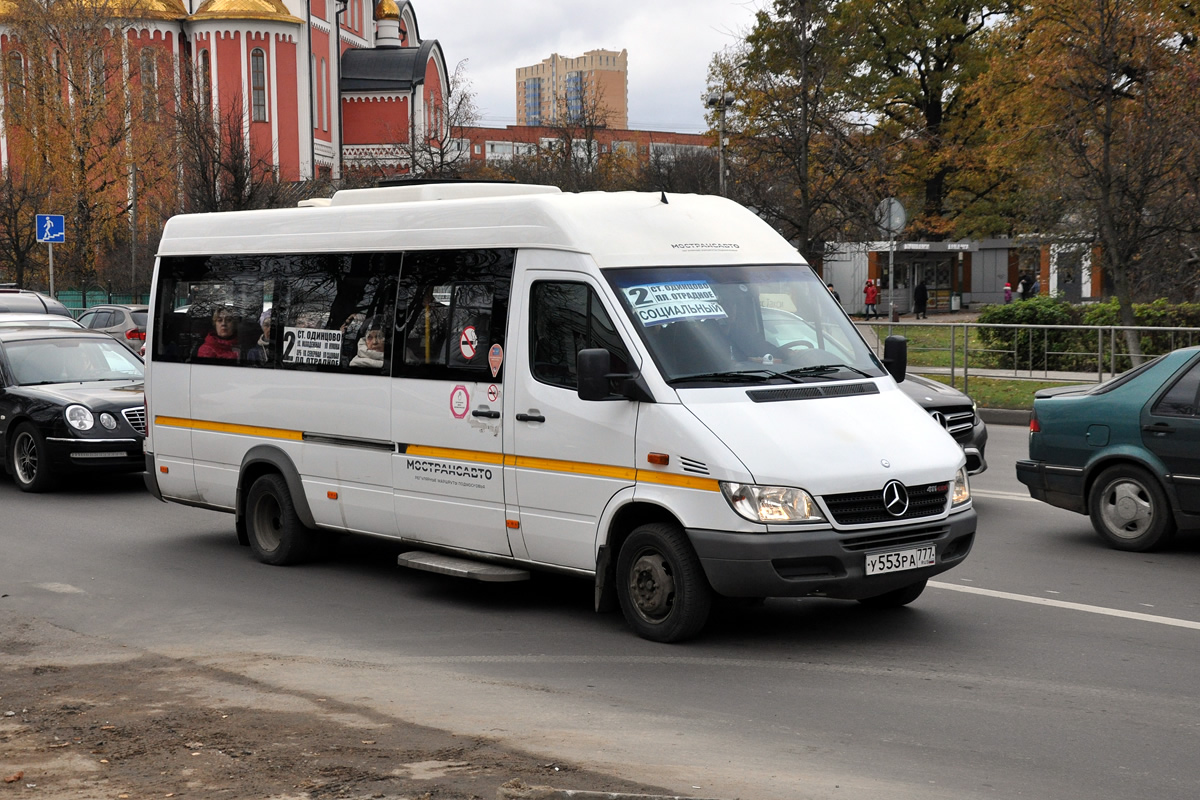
{"points": [[746, 340]]}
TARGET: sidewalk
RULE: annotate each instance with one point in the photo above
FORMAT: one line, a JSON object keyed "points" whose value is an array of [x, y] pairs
{"points": [[871, 331]]}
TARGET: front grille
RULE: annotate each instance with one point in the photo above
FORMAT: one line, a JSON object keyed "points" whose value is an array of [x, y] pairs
{"points": [[958, 421], [865, 508], [136, 417], [874, 540]]}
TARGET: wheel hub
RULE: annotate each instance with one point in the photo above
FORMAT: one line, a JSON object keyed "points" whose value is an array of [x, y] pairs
{"points": [[1127, 511], [651, 586]]}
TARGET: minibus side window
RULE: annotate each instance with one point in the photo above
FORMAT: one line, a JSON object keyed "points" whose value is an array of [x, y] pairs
{"points": [[450, 313], [564, 318], [317, 311], [208, 307], [334, 312]]}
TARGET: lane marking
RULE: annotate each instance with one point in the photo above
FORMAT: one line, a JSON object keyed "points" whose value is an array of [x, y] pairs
{"points": [[1003, 495], [1046, 601]]}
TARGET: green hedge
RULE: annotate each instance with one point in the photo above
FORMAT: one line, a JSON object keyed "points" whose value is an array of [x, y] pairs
{"points": [[1075, 351]]}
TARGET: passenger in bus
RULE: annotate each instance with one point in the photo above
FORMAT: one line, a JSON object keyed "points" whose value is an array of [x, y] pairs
{"points": [[260, 352], [370, 348], [222, 341]]}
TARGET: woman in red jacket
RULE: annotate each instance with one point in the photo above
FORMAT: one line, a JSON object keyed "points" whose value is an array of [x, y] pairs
{"points": [[870, 297]]}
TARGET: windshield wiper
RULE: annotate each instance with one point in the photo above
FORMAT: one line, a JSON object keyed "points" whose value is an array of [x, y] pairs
{"points": [[821, 370], [735, 376]]}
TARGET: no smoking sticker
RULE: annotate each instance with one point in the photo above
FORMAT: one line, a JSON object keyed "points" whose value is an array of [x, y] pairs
{"points": [[493, 393], [468, 342]]}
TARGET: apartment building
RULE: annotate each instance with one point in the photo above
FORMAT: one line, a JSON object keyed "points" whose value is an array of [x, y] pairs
{"points": [[591, 87]]}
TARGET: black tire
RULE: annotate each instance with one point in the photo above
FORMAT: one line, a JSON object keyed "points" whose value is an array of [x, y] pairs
{"points": [[277, 536], [664, 594], [29, 459], [1130, 510], [897, 597]]}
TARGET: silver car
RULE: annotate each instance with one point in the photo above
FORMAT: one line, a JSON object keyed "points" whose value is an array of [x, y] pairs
{"points": [[125, 323]]}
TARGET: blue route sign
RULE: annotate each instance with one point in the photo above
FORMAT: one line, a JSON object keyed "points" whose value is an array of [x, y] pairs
{"points": [[51, 228]]}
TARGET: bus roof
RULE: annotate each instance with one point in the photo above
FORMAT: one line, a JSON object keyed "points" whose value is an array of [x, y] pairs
{"points": [[615, 228]]}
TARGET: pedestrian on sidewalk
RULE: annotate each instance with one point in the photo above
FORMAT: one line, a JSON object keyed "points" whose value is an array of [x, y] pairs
{"points": [[833, 292], [1022, 287], [1035, 287], [870, 298], [920, 300], [1007, 293]]}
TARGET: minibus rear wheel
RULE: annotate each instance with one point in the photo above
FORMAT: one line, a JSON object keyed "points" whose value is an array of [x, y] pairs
{"points": [[664, 594], [277, 536]]}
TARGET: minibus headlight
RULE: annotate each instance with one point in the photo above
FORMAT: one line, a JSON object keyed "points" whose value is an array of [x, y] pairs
{"points": [[962, 491], [771, 503], [80, 418]]}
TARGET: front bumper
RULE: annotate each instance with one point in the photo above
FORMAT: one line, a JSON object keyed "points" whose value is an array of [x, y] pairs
{"points": [[825, 563], [118, 454], [1057, 485]]}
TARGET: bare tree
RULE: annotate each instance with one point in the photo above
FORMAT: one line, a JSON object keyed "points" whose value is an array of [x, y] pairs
{"points": [[23, 195], [571, 155], [219, 167], [443, 151]]}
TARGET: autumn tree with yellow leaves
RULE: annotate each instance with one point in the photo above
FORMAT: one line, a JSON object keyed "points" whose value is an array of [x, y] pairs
{"points": [[87, 100]]}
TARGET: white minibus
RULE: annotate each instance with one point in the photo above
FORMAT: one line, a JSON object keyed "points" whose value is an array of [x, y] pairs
{"points": [[508, 378]]}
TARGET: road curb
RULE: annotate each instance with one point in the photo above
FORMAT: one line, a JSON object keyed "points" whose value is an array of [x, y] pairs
{"points": [[515, 790], [1004, 416]]}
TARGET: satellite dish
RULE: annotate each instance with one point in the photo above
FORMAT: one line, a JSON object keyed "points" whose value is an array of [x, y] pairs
{"points": [[891, 217]]}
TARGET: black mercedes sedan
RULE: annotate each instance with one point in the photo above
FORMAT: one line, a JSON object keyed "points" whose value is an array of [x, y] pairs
{"points": [[70, 401]]}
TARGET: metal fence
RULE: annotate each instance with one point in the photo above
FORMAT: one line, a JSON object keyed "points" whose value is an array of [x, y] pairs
{"points": [[1062, 353], [79, 300]]}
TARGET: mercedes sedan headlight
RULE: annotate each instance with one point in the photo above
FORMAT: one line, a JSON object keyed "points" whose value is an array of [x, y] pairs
{"points": [[80, 418], [962, 491], [771, 503]]}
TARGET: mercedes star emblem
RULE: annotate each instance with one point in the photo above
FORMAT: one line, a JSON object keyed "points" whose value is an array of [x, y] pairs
{"points": [[939, 418], [895, 498]]}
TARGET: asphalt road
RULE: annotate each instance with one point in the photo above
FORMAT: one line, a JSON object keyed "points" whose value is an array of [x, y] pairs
{"points": [[1046, 666]]}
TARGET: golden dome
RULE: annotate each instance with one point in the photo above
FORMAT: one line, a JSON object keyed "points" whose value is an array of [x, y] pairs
{"points": [[129, 9], [387, 9], [272, 10], [151, 9]]}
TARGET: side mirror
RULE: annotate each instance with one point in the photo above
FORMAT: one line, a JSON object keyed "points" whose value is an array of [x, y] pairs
{"points": [[593, 366], [895, 356]]}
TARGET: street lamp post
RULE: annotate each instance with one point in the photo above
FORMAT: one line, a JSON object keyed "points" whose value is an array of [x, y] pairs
{"points": [[720, 102]]}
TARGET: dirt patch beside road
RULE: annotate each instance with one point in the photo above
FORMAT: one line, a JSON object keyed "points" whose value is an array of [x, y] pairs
{"points": [[80, 718]]}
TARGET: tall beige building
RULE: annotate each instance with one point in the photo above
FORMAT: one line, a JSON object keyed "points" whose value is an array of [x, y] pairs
{"points": [[589, 88]]}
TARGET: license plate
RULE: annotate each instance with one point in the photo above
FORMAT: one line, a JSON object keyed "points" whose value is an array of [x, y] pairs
{"points": [[898, 560]]}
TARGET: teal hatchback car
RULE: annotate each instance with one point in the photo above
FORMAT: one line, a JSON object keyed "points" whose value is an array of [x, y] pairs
{"points": [[1126, 452]]}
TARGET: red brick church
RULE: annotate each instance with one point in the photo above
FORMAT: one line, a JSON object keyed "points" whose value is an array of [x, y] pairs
{"points": [[320, 85]]}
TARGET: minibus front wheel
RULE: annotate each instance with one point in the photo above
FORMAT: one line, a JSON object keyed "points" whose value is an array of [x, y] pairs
{"points": [[277, 536], [661, 585]]}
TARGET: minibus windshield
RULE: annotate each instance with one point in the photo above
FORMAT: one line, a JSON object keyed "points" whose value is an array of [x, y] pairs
{"points": [[722, 325]]}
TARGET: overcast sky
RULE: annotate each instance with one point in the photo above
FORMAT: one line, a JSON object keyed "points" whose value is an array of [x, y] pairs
{"points": [[670, 44]]}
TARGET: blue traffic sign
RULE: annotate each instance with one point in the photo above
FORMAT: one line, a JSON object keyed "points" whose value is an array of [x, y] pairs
{"points": [[51, 228]]}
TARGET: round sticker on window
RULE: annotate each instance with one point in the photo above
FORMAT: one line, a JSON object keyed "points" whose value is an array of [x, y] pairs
{"points": [[468, 342]]}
